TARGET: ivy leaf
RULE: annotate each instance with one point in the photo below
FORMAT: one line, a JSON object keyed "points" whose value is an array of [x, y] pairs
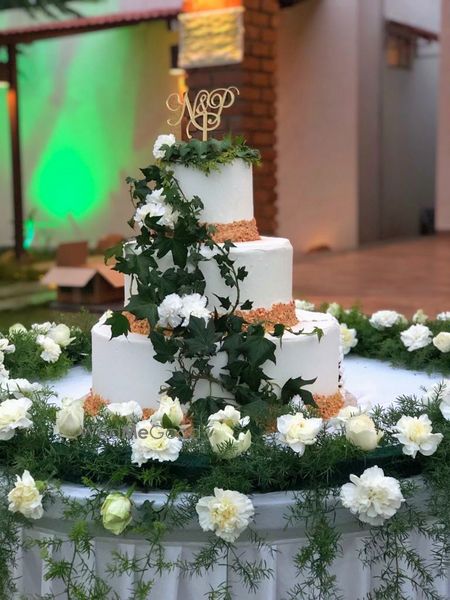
{"points": [[278, 330], [247, 305], [294, 387], [258, 350], [224, 302], [165, 348], [141, 308], [201, 337], [114, 251], [241, 273], [180, 386], [119, 325]]}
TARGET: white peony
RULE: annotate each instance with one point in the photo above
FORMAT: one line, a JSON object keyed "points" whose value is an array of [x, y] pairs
{"points": [[17, 328], [416, 435], [194, 305], [170, 407], [419, 317], [61, 335], [223, 440], [169, 311], [14, 415], [70, 418], [348, 338], [6, 347], [304, 305], [360, 430], [163, 140], [384, 319], [25, 497], [297, 432], [416, 337], [443, 316], [373, 496], [442, 341], [51, 351], [129, 409], [153, 442], [229, 416], [227, 513], [21, 387], [334, 309]]}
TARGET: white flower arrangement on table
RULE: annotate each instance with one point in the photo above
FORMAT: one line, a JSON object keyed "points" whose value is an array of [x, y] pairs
{"points": [[384, 319], [416, 435], [416, 337]]}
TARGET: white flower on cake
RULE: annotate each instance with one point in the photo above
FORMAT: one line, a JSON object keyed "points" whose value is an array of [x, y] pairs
{"points": [[116, 512], [130, 409], [105, 316], [6, 347], [163, 140], [169, 311], [373, 496], [419, 317], [360, 430], [14, 415], [60, 334], [70, 418], [153, 442], [17, 328], [156, 207], [442, 341], [443, 316], [334, 309], [170, 407], [416, 337], [297, 432], [25, 497], [384, 319], [194, 305], [229, 416], [348, 338], [51, 351], [227, 513], [304, 305], [208, 253], [20, 387], [416, 435]]}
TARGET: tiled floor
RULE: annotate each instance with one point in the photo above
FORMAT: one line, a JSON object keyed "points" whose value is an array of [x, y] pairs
{"points": [[403, 275]]}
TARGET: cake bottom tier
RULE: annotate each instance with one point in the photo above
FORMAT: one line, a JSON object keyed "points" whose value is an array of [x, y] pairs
{"points": [[124, 369]]}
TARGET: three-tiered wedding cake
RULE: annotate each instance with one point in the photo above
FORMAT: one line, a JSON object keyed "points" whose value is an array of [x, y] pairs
{"points": [[124, 367]]}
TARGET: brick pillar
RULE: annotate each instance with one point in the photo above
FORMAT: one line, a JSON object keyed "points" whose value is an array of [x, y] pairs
{"points": [[254, 113]]}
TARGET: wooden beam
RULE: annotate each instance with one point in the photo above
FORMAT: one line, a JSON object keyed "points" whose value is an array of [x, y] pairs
{"points": [[13, 110]]}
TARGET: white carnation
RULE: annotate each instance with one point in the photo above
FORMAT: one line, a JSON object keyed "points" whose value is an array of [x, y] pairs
{"points": [[373, 496], [416, 435], [25, 497], [416, 337], [6, 347], [304, 305], [42, 328], [227, 513], [443, 316], [156, 207], [129, 409], [440, 392], [334, 309], [60, 334], [384, 319], [170, 407], [4, 373], [419, 317], [360, 430], [20, 387], [348, 338], [229, 416], [14, 415], [70, 418], [51, 351], [442, 341], [153, 442], [297, 432], [163, 140], [194, 305], [169, 311]]}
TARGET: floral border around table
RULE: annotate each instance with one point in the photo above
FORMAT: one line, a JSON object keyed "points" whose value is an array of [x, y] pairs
{"points": [[363, 459]]}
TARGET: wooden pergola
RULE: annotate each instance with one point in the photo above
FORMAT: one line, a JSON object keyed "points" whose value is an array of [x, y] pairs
{"points": [[10, 39]]}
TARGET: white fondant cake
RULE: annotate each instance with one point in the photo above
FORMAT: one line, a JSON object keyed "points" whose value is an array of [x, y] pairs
{"points": [[124, 369], [227, 195], [269, 281]]}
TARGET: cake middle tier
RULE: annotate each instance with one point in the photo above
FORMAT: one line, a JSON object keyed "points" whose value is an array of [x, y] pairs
{"points": [[268, 262]]}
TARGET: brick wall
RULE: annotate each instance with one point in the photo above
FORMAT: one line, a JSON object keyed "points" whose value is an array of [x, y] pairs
{"points": [[253, 114]]}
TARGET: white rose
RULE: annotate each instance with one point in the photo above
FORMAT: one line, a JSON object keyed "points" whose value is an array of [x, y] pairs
{"points": [[61, 335], [230, 416], [17, 328], [416, 435], [116, 512], [169, 311], [20, 387], [223, 440], [51, 351], [227, 513], [129, 409], [297, 432], [419, 317], [194, 305], [14, 415], [163, 140], [334, 309], [373, 496], [25, 497], [443, 316], [416, 337], [153, 442], [70, 419], [171, 408], [6, 347], [304, 305], [348, 338], [360, 430], [442, 341], [384, 319]]}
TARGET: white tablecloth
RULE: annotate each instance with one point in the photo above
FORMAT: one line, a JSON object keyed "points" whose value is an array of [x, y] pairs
{"points": [[373, 381]]}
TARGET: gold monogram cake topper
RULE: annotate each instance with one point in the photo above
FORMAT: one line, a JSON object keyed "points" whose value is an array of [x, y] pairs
{"points": [[205, 112]]}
